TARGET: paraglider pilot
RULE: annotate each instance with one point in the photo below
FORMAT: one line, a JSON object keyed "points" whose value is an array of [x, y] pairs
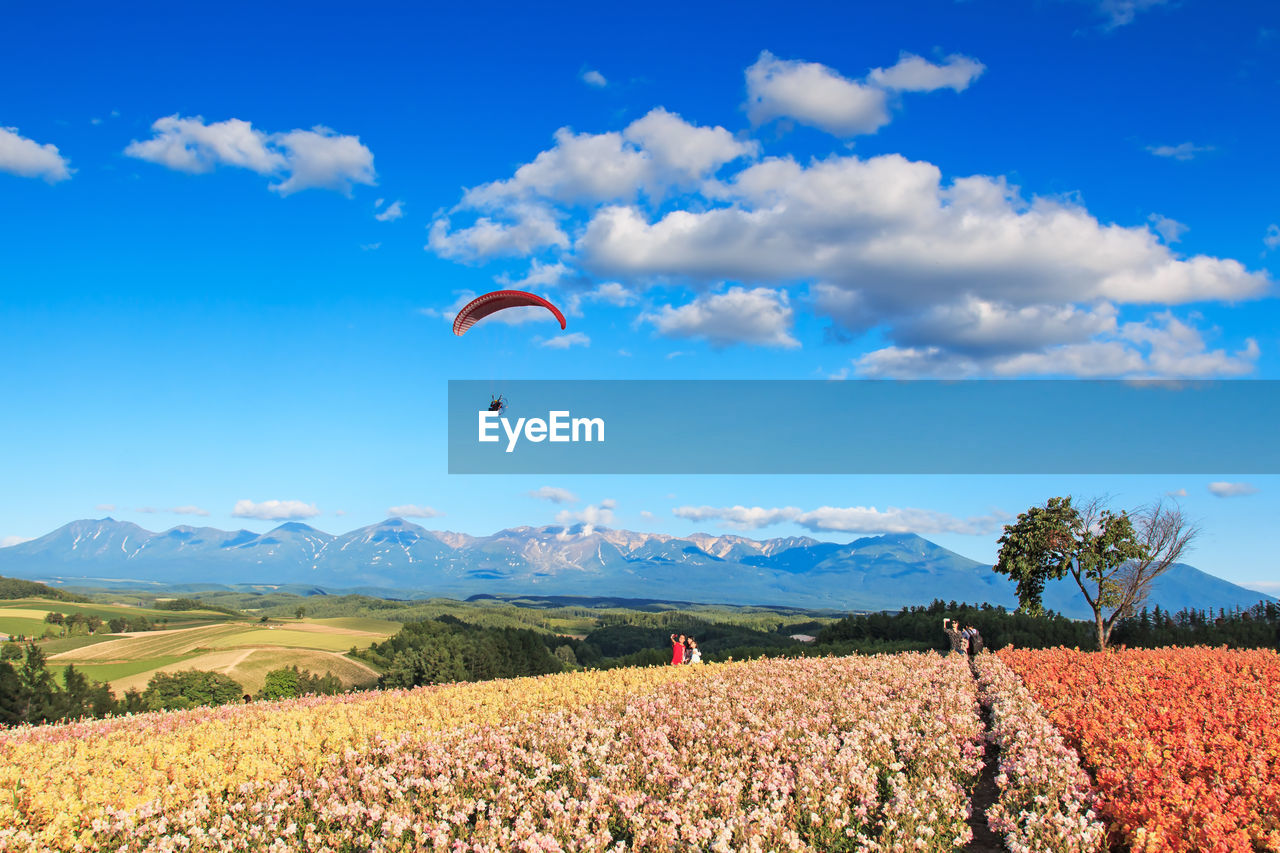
{"points": [[497, 404]]}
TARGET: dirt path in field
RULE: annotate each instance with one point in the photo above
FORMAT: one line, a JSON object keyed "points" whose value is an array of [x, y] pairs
{"points": [[984, 796]]}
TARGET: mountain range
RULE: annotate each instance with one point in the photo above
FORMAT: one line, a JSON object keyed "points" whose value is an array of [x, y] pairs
{"points": [[396, 557]]}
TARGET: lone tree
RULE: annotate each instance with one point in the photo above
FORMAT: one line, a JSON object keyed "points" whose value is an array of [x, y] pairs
{"points": [[1113, 557]]}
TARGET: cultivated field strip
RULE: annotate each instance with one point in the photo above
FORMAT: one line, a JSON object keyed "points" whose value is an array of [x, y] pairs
{"points": [[816, 754], [149, 644]]}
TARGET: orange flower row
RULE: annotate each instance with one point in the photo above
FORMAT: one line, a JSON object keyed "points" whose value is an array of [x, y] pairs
{"points": [[1181, 742]]}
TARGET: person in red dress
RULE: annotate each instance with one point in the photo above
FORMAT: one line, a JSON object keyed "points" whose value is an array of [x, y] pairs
{"points": [[677, 650]]}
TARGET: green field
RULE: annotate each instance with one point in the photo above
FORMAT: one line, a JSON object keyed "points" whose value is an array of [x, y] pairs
{"points": [[114, 671], [320, 640]]}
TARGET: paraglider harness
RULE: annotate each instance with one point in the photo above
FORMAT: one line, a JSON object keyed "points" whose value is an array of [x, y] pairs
{"points": [[498, 404]]}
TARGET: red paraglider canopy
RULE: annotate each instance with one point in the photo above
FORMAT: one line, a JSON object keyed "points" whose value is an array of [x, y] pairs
{"points": [[482, 306]]}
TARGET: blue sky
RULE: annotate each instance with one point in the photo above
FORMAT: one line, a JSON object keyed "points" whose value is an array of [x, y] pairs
{"points": [[231, 243]]}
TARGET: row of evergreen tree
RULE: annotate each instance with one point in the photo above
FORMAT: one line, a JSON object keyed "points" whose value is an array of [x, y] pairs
{"points": [[1254, 627]]}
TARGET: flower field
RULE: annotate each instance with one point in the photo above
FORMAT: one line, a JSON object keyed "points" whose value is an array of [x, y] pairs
{"points": [[1182, 742], [862, 753]]}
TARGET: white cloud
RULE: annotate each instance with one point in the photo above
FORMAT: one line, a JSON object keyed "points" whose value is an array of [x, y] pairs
{"points": [[590, 517], [861, 519], [1223, 489], [1121, 12], [742, 517], [274, 510], [915, 74], [190, 145], [176, 510], [813, 94], [301, 159], [532, 227], [539, 275], [413, 511], [1176, 493], [9, 541], [964, 276], [393, 212], [818, 96], [654, 154], [1170, 229], [105, 507], [891, 230], [594, 78], [370, 247], [759, 317], [613, 293], [29, 159], [1161, 346], [1271, 588], [554, 494], [610, 293], [572, 339], [1272, 238], [321, 158], [1182, 151], [858, 519]]}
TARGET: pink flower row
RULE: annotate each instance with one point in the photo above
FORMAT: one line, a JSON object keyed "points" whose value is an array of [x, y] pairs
{"points": [[1046, 799]]}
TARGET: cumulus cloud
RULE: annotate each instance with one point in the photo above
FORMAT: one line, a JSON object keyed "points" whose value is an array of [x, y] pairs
{"points": [[572, 339], [1176, 493], [961, 276], [554, 494], [1224, 489], [319, 158], [413, 511], [594, 78], [30, 159], [1182, 151], [9, 541], [655, 154], [274, 510], [176, 510], [857, 519], [945, 269], [391, 213], [1272, 238], [759, 316], [818, 96]]}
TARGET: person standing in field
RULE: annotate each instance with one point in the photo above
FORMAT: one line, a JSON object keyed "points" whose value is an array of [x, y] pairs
{"points": [[975, 641], [955, 637], [695, 653], [677, 650]]}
